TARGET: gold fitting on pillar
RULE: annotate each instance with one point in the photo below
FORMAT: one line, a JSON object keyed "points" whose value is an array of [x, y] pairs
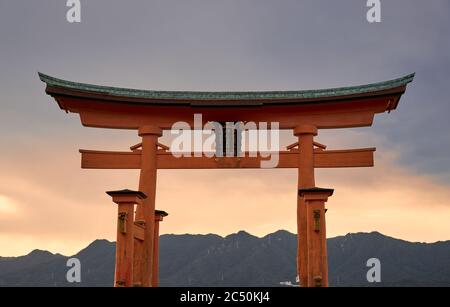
{"points": [[152, 130], [305, 129], [316, 215], [120, 283], [123, 216]]}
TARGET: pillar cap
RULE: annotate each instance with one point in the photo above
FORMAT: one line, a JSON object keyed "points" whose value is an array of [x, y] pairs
{"points": [[152, 130], [315, 190], [126, 192], [305, 129], [161, 213]]}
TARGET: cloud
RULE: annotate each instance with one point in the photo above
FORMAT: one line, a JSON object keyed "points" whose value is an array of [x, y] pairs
{"points": [[7, 206]]}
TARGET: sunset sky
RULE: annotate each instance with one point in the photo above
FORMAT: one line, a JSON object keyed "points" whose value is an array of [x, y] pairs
{"points": [[48, 202]]}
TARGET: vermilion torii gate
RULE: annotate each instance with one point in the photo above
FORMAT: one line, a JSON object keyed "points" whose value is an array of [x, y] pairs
{"points": [[151, 112]]}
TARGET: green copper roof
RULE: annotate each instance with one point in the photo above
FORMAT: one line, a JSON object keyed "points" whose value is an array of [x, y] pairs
{"points": [[251, 95]]}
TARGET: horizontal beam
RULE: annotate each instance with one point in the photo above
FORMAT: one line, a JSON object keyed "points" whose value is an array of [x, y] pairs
{"points": [[91, 159], [287, 119], [110, 159]]}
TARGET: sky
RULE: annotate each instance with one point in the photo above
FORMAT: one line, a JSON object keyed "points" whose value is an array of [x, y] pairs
{"points": [[48, 202]]}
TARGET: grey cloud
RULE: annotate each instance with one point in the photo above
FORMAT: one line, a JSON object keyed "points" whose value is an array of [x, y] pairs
{"points": [[224, 45]]}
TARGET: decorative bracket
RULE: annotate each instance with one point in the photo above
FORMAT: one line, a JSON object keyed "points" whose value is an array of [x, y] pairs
{"points": [[122, 222], [316, 214]]}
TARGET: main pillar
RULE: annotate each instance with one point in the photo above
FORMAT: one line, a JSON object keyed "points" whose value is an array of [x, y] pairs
{"points": [[314, 200], [126, 199], [146, 212], [159, 216], [305, 134]]}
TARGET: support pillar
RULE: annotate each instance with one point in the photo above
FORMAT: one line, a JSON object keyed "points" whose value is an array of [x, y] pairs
{"points": [[138, 252], [317, 269], [126, 199], [159, 216], [146, 212], [305, 134]]}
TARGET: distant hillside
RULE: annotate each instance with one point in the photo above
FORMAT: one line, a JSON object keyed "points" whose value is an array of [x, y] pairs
{"points": [[244, 260]]}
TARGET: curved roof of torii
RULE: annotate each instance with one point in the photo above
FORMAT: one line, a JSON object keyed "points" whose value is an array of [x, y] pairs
{"points": [[59, 87], [122, 108]]}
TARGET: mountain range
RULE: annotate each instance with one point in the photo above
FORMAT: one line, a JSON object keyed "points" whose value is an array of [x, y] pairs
{"points": [[242, 259]]}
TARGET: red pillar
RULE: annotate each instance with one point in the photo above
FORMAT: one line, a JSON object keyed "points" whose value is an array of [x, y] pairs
{"points": [[159, 216], [314, 200], [305, 134], [126, 199], [138, 252], [146, 212]]}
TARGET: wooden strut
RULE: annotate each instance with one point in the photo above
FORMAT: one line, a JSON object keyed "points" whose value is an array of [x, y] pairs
{"points": [[317, 144], [139, 145]]}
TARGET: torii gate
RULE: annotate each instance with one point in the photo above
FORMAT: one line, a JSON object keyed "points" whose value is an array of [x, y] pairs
{"points": [[150, 112]]}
